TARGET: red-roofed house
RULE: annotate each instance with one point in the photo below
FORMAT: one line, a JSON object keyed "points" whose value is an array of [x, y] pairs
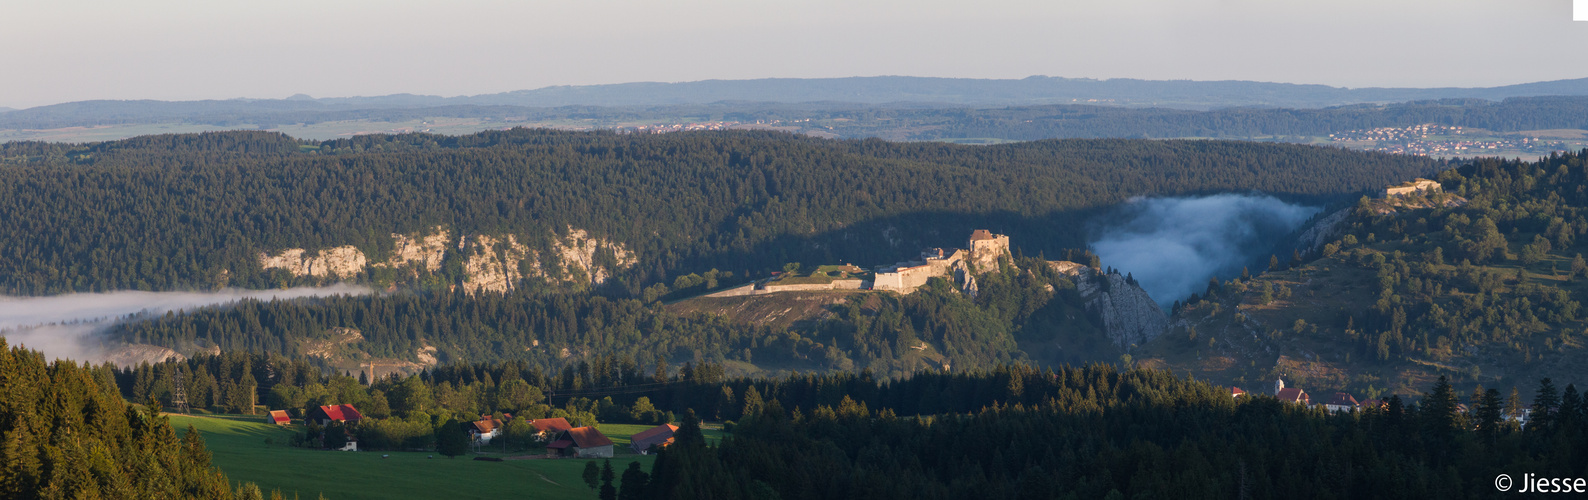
{"points": [[1341, 402], [1294, 395], [580, 442], [1236, 392], [336, 413], [547, 428], [486, 428], [1372, 403], [658, 437], [278, 417]]}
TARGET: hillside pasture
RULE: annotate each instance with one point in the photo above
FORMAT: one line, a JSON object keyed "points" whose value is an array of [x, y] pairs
{"points": [[239, 446]]}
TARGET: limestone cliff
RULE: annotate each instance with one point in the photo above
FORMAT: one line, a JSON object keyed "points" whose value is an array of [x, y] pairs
{"points": [[126, 355], [491, 263], [340, 262], [1323, 230], [1130, 316], [426, 251], [578, 252]]}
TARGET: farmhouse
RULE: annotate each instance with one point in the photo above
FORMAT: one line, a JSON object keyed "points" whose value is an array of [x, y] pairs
{"points": [[547, 428], [482, 430], [580, 442], [324, 415], [658, 437], [278, 417], [1236, 392], [1341, 402]]}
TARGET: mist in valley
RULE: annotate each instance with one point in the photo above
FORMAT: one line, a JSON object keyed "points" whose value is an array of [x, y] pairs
{"points": [[67, 326], [1172, 246]]}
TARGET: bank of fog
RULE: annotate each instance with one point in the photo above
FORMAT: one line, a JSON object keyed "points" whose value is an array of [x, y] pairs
{"points": [[67, 326], [1172, 246]]}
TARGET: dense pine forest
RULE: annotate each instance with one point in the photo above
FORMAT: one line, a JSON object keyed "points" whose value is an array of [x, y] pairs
{"points": [[1097, 433], [1025, 306], [195, 211], [68, 433], [1483, 282]]}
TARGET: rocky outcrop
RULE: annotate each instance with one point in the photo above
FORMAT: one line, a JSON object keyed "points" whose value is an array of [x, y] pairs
{"points": [[577, 252], [1130, 316], [492, 263], [986, 249], [329, 347], [1323, 230], [425, 251], [966, 280], [129, 355], [340, 262]]}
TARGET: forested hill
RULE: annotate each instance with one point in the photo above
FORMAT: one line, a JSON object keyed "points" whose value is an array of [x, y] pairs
{"points": [[196, 211], [1483, 283]]}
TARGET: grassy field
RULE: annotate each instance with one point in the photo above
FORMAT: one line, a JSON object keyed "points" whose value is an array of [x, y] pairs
{"points": [[238, 444]]}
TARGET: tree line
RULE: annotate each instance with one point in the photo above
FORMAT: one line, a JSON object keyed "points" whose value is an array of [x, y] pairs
{"points": [[1095, 432]]}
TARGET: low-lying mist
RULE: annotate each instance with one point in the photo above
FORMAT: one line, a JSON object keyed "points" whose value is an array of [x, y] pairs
{"points": [[1173, 245], [64, 326]]}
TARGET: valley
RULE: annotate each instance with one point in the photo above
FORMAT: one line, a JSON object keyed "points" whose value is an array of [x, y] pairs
{"points": [[625, 280]]}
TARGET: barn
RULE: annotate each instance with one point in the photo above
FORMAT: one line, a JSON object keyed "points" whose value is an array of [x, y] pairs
{"points": [[547, 428], [336, 413], [278, 417], [580, 442], [658, 437]]}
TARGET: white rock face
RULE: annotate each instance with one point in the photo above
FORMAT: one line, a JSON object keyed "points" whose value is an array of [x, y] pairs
{"points": [[577, 251], [341, 262], [491, 263], [1130, 316], [426, 251], [130, 355]]}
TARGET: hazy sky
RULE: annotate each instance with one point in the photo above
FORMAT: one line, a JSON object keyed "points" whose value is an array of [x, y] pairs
{"points": [[67, 50]]}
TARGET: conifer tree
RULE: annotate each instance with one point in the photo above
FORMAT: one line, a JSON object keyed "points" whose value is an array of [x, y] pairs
{"points": [[592, 474], [608, 492], [1545, 402]]}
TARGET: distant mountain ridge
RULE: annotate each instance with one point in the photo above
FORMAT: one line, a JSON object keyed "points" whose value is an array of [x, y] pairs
{"points": [[893, 108], [897, 89]]}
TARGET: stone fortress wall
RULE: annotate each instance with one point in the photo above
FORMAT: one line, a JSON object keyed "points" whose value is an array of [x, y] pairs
{"points": [[1413, 187], [985, 248], [905, 277]]}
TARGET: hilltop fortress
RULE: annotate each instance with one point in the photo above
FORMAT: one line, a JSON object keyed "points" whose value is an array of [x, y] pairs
{"points": [[959, 265], [1418, 186]]}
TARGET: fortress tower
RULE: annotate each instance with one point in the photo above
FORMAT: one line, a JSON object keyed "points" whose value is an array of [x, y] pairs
{"points": [[985, 250]]}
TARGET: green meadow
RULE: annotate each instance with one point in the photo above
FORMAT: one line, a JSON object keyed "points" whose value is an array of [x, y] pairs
{"points": [[248, 449]]}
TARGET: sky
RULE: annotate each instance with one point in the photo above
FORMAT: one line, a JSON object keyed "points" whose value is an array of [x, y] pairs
{"points": [[69, 50]]}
